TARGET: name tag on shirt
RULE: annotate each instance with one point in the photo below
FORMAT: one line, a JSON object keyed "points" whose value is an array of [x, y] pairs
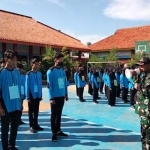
{"points": [[35, 88], [22, 90], [61, 83], [83, 78], [14, 92], [115, 83], [98, 79]]}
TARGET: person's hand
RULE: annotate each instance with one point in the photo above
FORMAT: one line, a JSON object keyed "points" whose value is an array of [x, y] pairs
{"points": [[52, 102], [2, 112]]}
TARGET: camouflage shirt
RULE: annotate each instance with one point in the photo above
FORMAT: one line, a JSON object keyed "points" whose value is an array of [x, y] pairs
{"points": [[142, 106]]}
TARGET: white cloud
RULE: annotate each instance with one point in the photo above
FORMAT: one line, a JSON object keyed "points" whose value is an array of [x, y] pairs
{"points": [[57, 2], [85, 38], [128, 9]]}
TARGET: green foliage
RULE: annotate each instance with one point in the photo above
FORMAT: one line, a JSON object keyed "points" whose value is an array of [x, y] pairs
{"points": [[136, 58], [47, 61], [112, 55], [94, 58]]}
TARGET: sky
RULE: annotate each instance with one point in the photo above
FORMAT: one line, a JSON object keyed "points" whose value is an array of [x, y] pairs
{"points": [[86, 20]]}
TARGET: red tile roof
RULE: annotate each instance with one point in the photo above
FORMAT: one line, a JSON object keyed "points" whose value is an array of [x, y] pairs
{"points": [[19, 28], [123, 39]]}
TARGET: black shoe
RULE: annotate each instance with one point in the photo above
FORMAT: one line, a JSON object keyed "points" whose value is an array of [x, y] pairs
{"points": [[96, 102], [61, 134], [39, 128], [21, 123], [12, 148], [98, 97], [81, 100], [126, 101], [101, 92], [33, 130], [54, 137], [132, 106]]}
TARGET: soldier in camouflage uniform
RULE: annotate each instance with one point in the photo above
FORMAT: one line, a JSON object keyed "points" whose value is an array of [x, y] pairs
{"points": [[142, 106]]}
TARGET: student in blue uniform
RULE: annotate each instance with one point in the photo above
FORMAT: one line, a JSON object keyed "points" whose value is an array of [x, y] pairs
{"points": [[81, 83], [101, 80], [117, 74], [20, 68], [105, 77], [124, 85], [112, 84], [75, 80], [90, 90], [33, 92], [95, 81], [132, 88], [58, 93], [2, 65], [10, 101]]}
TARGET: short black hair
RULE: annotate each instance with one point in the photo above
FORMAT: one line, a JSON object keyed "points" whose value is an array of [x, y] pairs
{"points": [[58, 55], [34, 60], [20, 66], [10, 54]]}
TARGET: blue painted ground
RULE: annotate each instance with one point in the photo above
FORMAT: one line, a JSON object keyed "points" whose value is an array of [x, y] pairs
{"points": [[90, 127]]}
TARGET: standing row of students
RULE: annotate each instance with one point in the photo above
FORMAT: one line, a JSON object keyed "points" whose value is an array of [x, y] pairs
{"points": [[112, 79], [16, 86]]}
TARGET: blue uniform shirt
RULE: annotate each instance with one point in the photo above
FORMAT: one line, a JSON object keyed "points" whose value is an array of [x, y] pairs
{"points": [[95, 81], [10, 83], [57, 82], [33, 85]]}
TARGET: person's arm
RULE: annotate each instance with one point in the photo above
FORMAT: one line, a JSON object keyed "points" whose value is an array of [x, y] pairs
{"points": [[2, 112], [50, 83], [109, 82], [27, 87]]}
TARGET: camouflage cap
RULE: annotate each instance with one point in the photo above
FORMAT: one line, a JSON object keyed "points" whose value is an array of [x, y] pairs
{"points": [[144, 60]]}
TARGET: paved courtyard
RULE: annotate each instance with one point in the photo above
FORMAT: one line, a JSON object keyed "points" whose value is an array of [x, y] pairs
{"points": [[90, 126]]}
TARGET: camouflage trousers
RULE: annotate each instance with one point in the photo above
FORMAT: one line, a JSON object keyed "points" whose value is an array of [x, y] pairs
{"points": [[145, 135]]}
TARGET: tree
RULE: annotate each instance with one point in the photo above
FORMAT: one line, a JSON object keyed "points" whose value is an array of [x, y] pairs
{"points": [[136, 58], [112, 55], [47, 61], [88, 44], [95, 58]]}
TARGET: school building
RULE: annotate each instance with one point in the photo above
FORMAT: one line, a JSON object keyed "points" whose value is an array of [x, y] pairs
{"points": [[126, 41], [30, 37]]}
